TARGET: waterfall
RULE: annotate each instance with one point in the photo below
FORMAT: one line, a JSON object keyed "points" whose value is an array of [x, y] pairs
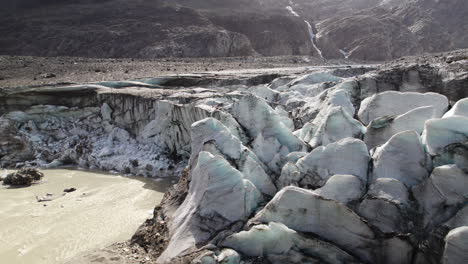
{"points": [[309, 27], [312, 38]]}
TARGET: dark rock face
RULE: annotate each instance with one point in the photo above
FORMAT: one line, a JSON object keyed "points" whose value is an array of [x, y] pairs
{"points": [[357, 29], [269, 34], [145, 29], [139, 29], [373, 35], [391, 29], [13, 148], [23, 177]]}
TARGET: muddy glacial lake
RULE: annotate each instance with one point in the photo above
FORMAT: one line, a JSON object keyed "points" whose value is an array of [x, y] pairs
{"points": [[103, 210]]}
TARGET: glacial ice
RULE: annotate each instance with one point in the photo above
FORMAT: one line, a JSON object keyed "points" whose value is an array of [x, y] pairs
{"points": [[277, 240], [245, 144], [404, 158], [456, 243], [228, 256], [390, 189], [211, 130], [380, 130], [342, 188], [326, 218], [459, 109], [203, 213], [336, 125], [442, 132], [394, 103], [272, 139], [442, 193], [348, 156], [316, 77], [383, 214]]}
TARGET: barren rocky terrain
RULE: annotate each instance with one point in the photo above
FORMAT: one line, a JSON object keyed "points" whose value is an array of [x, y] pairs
{"points": [[28, 70]]}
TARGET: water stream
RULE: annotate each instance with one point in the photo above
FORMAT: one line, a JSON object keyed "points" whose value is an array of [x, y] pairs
{"points": [[309, 28], [312, 38]]}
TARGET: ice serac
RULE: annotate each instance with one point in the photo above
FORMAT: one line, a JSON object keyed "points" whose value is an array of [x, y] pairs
{"points": [[203, 213], [229, 256], [442, 194], [403, 158], [394, 103], [383, 214], [459, 220], [442, 132], [336, 125], [302, 210], [276, 240], [456, 243], [382, 129], [227, 145], [459, 109], [342, 188], [106, 112], [171, 125], [390, 189], [316, 108], [348, 156], [316, 77], [456, 153], [272, 140]]}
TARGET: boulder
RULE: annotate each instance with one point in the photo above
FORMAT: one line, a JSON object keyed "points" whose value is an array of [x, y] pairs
{"points": [[302, 210], [403, 158], [456, 246], [23, 177], [392, 103], [441, 132]]}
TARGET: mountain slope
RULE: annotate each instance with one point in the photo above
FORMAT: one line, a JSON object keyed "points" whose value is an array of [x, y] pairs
{"points": [[373, 30]]}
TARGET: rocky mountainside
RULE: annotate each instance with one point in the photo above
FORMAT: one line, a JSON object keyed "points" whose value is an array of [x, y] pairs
{"points": [[145, 29], [333, 165], [390, 29], [373, 30]]}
